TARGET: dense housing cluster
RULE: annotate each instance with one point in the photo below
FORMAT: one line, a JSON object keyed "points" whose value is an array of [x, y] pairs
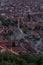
{"points": [[21, 26]]}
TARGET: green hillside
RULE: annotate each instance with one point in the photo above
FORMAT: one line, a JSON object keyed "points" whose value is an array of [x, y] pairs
{"points": [[22, 59]]}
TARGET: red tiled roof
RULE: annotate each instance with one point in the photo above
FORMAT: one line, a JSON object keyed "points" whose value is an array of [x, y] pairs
{"points": [[1, 47], [34, 32], [28, 46], [19, 49], [4, 41], [1, 26]]}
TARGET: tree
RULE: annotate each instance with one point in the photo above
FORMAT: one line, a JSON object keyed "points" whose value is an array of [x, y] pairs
{"points": [[32, 64], [10, 32], [21, 59], [4, 22]]}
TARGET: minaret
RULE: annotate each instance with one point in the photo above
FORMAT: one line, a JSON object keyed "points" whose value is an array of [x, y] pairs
{"points": [[19, 23], [30, 13], [31, 1]]}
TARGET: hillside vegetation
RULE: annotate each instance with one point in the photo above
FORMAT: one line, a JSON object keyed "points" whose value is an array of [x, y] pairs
{"points": [[21, 59]]}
